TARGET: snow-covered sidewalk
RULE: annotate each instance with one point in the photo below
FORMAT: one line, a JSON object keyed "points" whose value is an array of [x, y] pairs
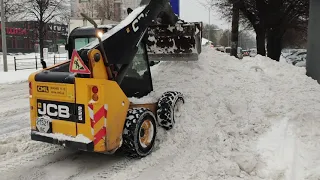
{"points": [[12, 77], [243, 119]]}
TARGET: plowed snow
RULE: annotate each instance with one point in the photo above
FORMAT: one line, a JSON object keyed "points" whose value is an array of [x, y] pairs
{"points": [[243, 119]]}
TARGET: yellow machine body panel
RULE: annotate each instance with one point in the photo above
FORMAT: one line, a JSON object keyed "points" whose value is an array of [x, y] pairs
{"points": [[32, 101], [112, 102], [45, 92], [98, 110]]}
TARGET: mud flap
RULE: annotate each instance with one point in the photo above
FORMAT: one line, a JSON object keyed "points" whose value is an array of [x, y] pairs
{"points": [[179, 42]]}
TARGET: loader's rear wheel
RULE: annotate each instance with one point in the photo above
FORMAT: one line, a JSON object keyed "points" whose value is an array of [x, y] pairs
{"points": [[139, 132], [169, 106]]}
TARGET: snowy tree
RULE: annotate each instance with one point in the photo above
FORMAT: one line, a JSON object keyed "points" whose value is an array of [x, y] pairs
{"points": [[97, 9], [295, 39], [88, 8], [11, 8], [271, 19], [208, 4], [45, 11], [225, 38], [246, 39], [105, 10], [214, 33]]}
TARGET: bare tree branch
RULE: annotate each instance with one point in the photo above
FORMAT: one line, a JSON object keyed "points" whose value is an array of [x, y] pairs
{"points": [[44, 11]]}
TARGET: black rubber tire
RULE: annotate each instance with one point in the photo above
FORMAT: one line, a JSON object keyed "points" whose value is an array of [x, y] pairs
{"points": [[131, 144], [165, 108]]}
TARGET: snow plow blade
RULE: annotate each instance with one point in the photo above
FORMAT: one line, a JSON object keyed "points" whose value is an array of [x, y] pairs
{"points": [[181, 42]]}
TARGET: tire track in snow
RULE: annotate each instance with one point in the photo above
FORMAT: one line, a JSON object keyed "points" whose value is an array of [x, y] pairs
{"points": [[16, 148], [280, 153], [122, 167], [174, 147], [37, 168], [14, 122], [11, 112], [14, 100]]}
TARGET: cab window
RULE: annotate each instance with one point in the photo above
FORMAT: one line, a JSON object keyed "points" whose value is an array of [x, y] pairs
{"points": [[139, 65], [81, 42], [137, 82]]}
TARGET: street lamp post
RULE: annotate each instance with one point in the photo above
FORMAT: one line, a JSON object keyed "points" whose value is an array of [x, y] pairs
{"points": [[209, 10], [3, 36], [209, 24]]}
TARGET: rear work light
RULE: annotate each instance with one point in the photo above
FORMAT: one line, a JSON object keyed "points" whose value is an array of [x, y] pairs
{"points": [[95, 90], [95, 97]]}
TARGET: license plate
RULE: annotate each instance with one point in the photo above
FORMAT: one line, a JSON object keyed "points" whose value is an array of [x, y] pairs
{"points": [[43, 124]]}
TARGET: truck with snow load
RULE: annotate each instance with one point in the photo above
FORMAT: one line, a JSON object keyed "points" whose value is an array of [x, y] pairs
{"points": [[86, 101]]}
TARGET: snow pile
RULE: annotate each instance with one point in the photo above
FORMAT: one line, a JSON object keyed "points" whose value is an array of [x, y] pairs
{"points": [[231, 105], [242, 119], [290, 150], [150, 98]]}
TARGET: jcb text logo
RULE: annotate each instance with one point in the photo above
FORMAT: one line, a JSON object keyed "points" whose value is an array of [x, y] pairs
{"points": [[135, 27], [54, 110], [43, 89]]}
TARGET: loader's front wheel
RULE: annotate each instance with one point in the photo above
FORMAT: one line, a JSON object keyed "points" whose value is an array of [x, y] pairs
{"points": [[139, 132], [168, 108]]}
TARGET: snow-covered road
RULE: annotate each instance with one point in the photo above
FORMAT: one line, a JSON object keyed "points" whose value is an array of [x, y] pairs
{"points": [[14, 108], [250, 119]]}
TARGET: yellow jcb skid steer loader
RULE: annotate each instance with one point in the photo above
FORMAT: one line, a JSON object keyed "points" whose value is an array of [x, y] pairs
{"points": [[84, 103]]}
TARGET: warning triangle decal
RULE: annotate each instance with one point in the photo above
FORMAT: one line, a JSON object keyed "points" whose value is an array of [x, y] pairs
{"points": [[77, 65]]}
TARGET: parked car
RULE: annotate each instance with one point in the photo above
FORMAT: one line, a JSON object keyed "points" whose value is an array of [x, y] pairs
{"points": [[253, 52], [220, 48], [289, 52], [227, 50], [216, 47], [246, 52], [297, 58], [239, 51]]}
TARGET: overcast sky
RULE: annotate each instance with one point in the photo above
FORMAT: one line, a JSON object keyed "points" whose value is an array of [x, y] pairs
{"points": [[192, 10]]}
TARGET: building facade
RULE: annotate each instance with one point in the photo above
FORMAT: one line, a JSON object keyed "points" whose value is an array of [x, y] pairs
{"points": [[117, 8], [22, 36]]}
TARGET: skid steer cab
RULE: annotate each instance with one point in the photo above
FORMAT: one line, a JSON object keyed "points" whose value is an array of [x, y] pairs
{"points": [[87, 102]]}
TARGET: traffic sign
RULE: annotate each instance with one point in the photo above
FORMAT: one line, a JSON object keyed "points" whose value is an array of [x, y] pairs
{"points": [[77, 65]]}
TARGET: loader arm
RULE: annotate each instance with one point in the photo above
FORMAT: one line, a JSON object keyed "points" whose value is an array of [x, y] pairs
{"points": [[120, 43]]}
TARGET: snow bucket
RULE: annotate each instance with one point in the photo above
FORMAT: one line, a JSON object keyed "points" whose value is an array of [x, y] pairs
{"points": [[179, 42]]}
